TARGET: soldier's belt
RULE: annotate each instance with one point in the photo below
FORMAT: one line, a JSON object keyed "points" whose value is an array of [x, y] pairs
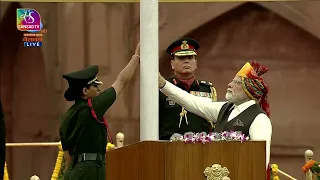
{"points": [[89, 157]]}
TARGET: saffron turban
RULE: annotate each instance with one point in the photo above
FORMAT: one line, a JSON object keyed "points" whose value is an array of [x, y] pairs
{"points": [[254, 85]]}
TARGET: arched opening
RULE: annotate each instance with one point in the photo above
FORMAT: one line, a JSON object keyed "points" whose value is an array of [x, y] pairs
{"points": [[27, 101], [11, 39]]}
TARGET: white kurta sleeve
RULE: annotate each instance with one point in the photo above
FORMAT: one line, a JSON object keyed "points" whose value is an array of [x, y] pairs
{"points": [[261, 129], [197, 105]]}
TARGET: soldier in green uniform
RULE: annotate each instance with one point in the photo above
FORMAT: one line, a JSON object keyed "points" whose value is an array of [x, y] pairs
{"points": [[2, 142], [83, 130], [172, 117]]}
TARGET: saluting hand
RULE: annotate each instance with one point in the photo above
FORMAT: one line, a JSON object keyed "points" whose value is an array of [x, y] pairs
{"points": [[161, 80]]}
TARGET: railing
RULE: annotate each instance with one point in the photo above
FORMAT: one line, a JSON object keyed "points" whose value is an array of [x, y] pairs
{"points": [[57, 168], [308, 156], [36, 144], [275, 171], [311, 168], [59, 160]]}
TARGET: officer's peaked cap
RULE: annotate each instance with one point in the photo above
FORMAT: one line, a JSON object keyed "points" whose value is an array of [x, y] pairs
{"points": [[80, 79], [183, 47]]}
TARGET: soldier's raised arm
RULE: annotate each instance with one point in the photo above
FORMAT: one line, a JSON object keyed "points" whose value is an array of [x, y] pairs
{"points": [[102, 102], [84, 84], [127, 73]]}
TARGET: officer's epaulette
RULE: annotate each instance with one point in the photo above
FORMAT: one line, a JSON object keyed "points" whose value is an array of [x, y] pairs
{"points": [[205, 83], [173, 80]]}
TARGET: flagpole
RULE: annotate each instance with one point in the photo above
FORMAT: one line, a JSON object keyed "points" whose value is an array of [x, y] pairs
{"points": [[149, 68]]}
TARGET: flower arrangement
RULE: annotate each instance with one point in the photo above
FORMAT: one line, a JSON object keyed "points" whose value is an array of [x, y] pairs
{"points": [[5, 175], [59, 163], [313, 166], [61, 174], [205, 138], [274, 172], [110, 146]]}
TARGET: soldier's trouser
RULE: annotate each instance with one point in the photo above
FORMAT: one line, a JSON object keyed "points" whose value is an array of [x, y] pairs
{"points": [[88, 170], [66, 175]]}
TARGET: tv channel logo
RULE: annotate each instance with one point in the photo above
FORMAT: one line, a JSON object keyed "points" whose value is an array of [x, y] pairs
{"points": [[29, 20], [32, 44]]}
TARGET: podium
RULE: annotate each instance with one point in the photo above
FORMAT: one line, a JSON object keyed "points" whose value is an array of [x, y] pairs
{"points": [[163, 160]]}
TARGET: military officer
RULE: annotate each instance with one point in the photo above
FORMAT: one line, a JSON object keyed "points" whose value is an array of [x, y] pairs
{"points": [[172, 117], [83, 130], [2, 142]]}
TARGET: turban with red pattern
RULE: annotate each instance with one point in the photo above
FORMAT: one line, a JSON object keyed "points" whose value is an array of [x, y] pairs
{"points": [[253, 85]]}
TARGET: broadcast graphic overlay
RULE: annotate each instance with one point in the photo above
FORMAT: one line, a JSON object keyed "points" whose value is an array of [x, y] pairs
{"points": [[29, 21]]}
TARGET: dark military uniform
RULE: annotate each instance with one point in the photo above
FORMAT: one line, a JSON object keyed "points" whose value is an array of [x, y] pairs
{"points": [[169, 112], [83, 132], [172, 117], [2, 142]]}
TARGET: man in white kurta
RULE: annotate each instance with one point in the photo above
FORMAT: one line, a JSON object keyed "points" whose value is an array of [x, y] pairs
{"points": [[247, 108]]}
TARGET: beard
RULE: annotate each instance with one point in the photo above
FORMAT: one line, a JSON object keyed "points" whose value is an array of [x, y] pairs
{"points": [[236, 98]]}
